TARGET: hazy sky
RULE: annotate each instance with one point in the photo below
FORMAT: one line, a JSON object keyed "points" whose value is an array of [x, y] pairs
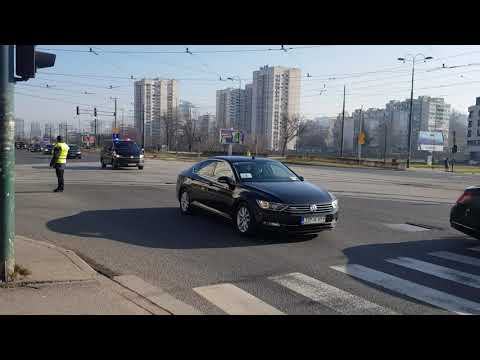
{"points": [[372, 74]]}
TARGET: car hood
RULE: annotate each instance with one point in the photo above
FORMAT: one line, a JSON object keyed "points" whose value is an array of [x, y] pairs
{"points": [[294, 192]]}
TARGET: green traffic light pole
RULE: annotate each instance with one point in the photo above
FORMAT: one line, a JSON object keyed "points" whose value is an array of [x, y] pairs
{"points": [[7, 164]]}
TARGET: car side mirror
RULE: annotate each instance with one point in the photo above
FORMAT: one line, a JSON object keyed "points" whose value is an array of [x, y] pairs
{"points": [[226, 180], [301, 178]]}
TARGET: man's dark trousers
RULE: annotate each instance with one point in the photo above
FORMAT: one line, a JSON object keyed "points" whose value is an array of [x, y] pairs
{"points": [[59, 170]]}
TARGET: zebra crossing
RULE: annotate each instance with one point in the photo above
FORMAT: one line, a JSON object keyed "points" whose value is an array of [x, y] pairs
{"points": [[234, 300]]}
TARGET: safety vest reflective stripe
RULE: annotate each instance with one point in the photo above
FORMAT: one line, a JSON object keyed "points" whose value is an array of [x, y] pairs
{"points": [[62, 158]]}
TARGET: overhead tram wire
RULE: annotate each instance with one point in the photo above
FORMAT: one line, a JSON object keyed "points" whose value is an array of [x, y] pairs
{"points": [[181, 51]]}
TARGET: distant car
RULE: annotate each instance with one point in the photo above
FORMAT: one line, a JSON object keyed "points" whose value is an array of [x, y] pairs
{"points": [[36, 148], [20, 145], [74, 152], [465, 214], [47, 150], [256, 193], [122, 153]]}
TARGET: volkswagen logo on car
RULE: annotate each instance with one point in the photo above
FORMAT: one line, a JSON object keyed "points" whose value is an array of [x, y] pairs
{"points": [[313, 208]]}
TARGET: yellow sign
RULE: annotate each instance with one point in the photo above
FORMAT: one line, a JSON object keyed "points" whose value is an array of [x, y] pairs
{"points": [[361, 138], [116, 131]]}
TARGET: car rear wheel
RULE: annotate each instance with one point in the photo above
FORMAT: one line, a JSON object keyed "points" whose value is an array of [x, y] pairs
{"points": [[103, 164], [140, 167], [185, 203], [115, 164], [244, 221]]}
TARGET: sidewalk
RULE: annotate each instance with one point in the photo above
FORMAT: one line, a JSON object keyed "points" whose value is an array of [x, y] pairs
{"points": [[60, 282]]}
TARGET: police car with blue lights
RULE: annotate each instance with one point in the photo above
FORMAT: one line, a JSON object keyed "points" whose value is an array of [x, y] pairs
{"points": [[121, 153]]}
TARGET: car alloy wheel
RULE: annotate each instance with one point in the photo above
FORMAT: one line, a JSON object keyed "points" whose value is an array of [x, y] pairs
{"points": [[243, 219], [185, 203]]}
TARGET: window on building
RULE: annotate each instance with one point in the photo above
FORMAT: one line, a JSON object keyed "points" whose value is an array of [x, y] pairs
{"points": [[470, 124], [469, 134], [478, 132]]}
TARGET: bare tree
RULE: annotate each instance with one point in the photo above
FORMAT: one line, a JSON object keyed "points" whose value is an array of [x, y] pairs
{"points": [[190, 133], [170, 128], [290, 127]]}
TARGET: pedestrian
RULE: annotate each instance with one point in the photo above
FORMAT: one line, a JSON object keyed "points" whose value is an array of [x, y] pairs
{"points": [[446, 164], [59, 161]]}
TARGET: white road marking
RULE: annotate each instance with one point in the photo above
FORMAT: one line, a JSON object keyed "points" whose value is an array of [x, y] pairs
{"points": [[438, 271], [406, 227], [404, 287], [235, 301], [330, 296], [456, 257]]}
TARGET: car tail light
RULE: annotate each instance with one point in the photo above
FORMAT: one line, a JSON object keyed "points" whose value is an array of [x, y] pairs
{"points": [[466, 196]]}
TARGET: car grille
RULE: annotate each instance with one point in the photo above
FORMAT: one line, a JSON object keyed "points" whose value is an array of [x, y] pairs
{"points": [[305, 209]]}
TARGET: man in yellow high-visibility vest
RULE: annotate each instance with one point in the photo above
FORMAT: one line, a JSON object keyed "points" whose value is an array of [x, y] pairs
{"points": [[59, 160]]}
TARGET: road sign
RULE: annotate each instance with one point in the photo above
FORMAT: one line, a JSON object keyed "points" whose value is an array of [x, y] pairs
{"points": [[231, 136], [116, 130], [361, 138]]}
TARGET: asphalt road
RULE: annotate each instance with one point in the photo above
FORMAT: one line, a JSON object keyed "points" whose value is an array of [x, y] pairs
{"points": [[128, 221]]}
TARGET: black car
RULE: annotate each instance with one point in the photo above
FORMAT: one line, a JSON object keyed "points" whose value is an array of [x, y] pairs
{"points": [[74, 152], [35, 148], [465, 214], [48, 149], [256, 193], [122, 153]]}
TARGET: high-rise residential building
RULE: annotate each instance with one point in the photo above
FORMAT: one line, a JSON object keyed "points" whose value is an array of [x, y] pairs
{"points": [[19, 128], [247, 113], [473, 131], [206, 124], [49, 132], [35, 130], [231, 108], [428, 114], [458, 133], [275, 95], [155, 104]]}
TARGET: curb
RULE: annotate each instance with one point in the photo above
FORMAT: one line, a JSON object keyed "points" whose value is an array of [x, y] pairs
{"points": [[146, 291]]}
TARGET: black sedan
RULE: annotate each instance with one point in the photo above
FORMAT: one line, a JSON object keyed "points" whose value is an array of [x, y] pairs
{"points": [[465, 214], [256, 193], [74, 152]]}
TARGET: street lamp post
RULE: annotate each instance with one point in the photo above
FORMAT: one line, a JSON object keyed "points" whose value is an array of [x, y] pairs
{"points": [[412, 58]]}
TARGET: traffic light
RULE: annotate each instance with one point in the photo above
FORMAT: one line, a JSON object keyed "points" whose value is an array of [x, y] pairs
{"points": [[27, 61], [454, 149], [78, 110], [95, 112]]}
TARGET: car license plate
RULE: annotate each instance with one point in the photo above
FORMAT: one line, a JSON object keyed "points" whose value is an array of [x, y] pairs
{"points": [[313, 220]]}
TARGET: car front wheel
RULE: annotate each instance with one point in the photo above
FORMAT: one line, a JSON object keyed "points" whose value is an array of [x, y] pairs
{"points": [[244, 220], [185, 203]]}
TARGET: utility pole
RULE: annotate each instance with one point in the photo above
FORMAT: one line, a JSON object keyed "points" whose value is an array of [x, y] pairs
{"points": [[359, 146], [343, 123], [454, 149], [115, 113], [385, 144], [7, 164]]}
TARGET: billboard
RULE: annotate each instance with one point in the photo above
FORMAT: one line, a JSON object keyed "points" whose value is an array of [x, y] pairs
{"points": [[231, 136], [430, 141]]}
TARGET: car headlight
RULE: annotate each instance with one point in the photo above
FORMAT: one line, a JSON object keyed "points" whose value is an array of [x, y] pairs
{"points": [[142, 156], [117, 156], [267, 205], [334, 201]]}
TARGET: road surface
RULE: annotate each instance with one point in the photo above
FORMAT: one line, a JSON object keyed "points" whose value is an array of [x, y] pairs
{"points": [[128, 221]]}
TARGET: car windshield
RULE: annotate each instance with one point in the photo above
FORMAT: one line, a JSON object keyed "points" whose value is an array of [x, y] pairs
{"points": [[73, 147], [264, 171], [127, 147]]}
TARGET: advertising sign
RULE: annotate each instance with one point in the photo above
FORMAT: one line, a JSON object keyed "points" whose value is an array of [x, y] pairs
{"points": [[231, 136], [430, 141]]}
